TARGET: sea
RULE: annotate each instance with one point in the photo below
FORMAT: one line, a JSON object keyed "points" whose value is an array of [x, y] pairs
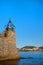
{"points": [[27, 58]]}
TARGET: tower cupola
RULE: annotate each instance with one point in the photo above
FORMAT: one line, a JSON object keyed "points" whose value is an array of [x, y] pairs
{"points": [[10, 26]]}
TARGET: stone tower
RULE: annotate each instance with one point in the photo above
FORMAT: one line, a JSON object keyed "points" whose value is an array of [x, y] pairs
{"points": [[8, 48]]}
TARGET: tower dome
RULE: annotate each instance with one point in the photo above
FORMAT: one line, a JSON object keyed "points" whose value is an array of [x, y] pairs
{"points": [[10, 26]]}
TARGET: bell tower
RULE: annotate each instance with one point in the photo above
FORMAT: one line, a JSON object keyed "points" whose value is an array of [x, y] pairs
{"points": [[11, 41], [8, 43]]}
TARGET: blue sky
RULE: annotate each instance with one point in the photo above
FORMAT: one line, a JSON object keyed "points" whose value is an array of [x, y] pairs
{"points": [[27, 16]]}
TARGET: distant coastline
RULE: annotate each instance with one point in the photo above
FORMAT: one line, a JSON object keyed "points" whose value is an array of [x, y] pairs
{"points": [[30, 48]]}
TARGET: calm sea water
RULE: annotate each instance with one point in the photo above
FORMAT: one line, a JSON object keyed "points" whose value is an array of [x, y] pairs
{"points": [[27, 58]]}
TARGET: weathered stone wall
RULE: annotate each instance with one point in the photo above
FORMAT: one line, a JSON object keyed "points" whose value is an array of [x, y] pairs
{"points": [[11, 40], [8, 46], [3, 47]]}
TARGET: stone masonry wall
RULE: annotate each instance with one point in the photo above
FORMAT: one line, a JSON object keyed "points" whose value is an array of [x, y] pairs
{"points": [[8, 48]]}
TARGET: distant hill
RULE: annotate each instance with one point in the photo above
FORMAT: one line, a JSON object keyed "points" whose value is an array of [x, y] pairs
{"points": [[28, 47], [31, 48], [41, 47]]}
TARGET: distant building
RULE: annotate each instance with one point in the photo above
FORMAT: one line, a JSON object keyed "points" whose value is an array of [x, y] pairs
{"points": [[8, 48]]}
